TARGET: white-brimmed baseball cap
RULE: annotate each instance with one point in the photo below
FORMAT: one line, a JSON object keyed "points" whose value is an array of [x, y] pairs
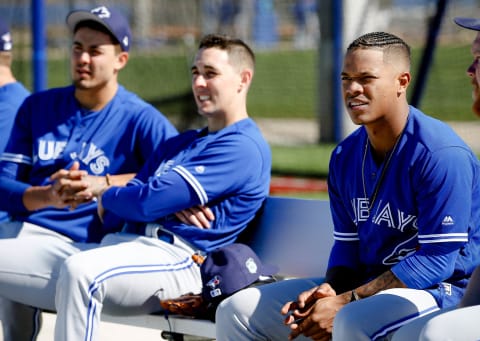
{"points": [[109, 18]]}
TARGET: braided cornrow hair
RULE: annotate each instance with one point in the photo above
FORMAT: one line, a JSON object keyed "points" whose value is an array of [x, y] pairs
{"points": [[383, 41]]}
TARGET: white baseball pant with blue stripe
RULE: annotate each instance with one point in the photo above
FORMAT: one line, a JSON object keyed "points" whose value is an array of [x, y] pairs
{"points": [[254, 313], [123, 275]]}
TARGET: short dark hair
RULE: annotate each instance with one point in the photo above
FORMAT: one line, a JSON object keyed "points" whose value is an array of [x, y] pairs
{"points": [[236, 48], [387, 42]]}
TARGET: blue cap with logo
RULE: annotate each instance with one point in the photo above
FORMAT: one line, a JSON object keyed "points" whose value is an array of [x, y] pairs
{"points": [[109, 18], [231, 268], [5, 37]]}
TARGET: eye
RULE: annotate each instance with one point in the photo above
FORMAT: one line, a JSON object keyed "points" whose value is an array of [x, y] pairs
{"points": [[95, 52], [76, 49], [210, 74]]}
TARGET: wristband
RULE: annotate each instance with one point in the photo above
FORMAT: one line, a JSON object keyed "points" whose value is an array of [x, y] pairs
{"points": [[354, 296], [107, 180]]}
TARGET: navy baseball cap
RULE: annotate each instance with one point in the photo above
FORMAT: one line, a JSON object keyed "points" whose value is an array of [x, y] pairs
{"points": [[231, 268], [109, 18], [5, 37], [470, 23]]}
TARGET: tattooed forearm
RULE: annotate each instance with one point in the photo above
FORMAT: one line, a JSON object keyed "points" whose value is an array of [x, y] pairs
{"points": [[387, 280]]}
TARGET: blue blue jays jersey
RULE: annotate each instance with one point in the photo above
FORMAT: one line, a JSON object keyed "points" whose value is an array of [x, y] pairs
{"points": [[228, 170], [422, 221], [11, 97], [52, 131]]}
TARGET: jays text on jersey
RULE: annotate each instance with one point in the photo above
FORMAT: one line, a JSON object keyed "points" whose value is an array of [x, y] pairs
{"points": [[52, 131], [422, 220]]}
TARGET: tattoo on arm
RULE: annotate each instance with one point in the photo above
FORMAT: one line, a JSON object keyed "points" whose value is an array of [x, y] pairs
{"points": [[387, 280]]}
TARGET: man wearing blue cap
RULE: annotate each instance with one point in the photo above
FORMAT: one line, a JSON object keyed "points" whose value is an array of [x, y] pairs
{"points": [[12, 92], [460, 322], [62, 137]]}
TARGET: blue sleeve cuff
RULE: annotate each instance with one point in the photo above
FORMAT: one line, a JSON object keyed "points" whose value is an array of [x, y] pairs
{"points": [[12, 202], [421, 271]]}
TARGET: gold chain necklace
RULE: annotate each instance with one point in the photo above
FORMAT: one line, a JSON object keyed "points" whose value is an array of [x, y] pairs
{"points": [[371, 200]]}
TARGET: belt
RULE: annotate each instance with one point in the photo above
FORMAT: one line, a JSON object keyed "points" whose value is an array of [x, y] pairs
{"points": [[157, 231]]}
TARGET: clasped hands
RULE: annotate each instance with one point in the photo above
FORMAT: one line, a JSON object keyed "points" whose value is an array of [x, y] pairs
{"points": [[313, 313], [72, 187]]}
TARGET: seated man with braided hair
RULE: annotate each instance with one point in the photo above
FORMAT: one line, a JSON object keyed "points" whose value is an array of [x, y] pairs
{"points": [[404, 196]]}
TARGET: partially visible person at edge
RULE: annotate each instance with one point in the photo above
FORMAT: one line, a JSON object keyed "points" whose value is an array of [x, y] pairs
{"points": [[458, 322], [405, 200], [225, 165], [12, 92], [93, 128]]}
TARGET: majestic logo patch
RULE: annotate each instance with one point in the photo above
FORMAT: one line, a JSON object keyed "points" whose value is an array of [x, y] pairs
{"points": [[448, 220]]}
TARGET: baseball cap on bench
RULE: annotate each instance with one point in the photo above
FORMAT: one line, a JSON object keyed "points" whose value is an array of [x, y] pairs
{"points": [[109, 18], [5, 37], [230, 268], [470, 23]]}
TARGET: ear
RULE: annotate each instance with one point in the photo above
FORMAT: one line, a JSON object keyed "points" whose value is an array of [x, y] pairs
{"points": [[403, 82], [121, 60], [245, 79]]}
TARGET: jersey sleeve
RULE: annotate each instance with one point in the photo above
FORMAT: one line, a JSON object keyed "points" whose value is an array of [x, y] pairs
{"points": [[444, 200], [224, 167], [15, 163]]}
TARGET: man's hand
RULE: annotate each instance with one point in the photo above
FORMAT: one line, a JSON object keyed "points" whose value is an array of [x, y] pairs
{"points": [[313, 313], [199, 216], [70, 186]]}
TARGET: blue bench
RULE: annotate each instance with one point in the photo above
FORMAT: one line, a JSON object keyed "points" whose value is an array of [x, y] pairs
{"points": [[294, 234]]}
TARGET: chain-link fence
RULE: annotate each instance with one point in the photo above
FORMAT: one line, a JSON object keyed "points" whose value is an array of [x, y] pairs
{"points": [[284, 33]]}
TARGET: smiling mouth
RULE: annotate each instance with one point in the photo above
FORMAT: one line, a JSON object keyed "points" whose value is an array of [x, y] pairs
{"points": [[204, 98], [356, 105], [83, 72]]}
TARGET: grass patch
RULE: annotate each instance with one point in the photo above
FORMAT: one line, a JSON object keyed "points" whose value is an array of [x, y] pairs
{"points": [[308, 161], [285, 84]]}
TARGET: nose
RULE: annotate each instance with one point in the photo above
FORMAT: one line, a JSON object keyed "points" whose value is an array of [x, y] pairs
{"points": [[198, 81], [352, 87], [81, 56], [472, 68]]}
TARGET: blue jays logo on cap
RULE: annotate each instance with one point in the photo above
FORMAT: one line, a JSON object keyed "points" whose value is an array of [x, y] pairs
{"points": [[5, 37], [213, 285], [109, 18], [101, 12]]}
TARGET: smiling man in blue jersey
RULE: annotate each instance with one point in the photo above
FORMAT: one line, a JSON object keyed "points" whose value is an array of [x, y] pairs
{"points": [[405, 200], [91, 128], [226, 166]]}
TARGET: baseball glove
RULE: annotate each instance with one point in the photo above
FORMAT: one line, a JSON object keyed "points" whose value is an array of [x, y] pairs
{"points": [[188, 305]]}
